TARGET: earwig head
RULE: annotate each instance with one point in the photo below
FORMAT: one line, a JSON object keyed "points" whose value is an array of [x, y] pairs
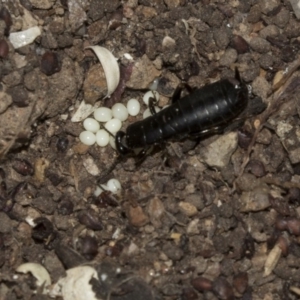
{"points": [[239, 84], [242, 84], [238, 91], [120, 144]]}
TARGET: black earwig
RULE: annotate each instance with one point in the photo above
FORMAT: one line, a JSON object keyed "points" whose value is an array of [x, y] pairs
{"points": [[204, 111]]}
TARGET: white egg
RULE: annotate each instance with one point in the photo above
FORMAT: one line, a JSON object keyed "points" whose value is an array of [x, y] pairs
{"points": [[112, 142], [147, 112], [113, 125], [133, 107], [150, 94], [91, 124], [120, 111], [113, 185], [98, 191], [102, 138], [154, 84], [103, 114], [87, 138]]}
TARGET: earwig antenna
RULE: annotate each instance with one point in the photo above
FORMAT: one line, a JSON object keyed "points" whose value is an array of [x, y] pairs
{"points": [[238, 75], [106, 172], [101, 126]]}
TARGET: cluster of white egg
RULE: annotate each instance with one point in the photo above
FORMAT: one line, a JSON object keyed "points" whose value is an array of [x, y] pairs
{"points": [[112, 119]]}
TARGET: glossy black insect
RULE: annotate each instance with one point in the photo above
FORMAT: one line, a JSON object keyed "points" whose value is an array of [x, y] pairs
{"points": [[204, 111], [209, 110]]}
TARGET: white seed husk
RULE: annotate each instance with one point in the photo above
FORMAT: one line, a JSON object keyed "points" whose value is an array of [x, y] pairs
{"points": [[83, 111], [25, 37], [272, 260], [76, 285], [110, 67], [38, 271]]}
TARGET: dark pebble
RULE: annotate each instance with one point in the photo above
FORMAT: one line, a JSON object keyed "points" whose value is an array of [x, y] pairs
{"points": [[115, 20], [2, 173], [50, 63], [53, 177], [43, 229], [4, 49], [283, 245], [294, 195], [26, 4], [114, 251], [257, 168], [293, 226], [65, 207], [201, 284], [244, 138], [239, 44], [6, 17], [222, 289], [69, 257], [19, 95], [89, 247], [62, 144], [23, 167], [282, 207], [240, 282], [90, 219], [281, 224], [248, 246]]}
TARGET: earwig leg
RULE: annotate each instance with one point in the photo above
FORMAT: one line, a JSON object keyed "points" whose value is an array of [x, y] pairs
{"points": [[103, 177], [102, 127], [141, 156], [237, 75], [215, 130], [152, 103], [177, 93], [189, 88]]}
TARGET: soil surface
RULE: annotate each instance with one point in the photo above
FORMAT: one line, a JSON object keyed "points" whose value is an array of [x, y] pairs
{"points": [[219, 219]]}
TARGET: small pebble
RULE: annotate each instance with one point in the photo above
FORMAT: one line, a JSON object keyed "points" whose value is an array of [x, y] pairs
{"points": [[4, 49], [90, 219], [23, 167], [88, 247], [91, 124], [113, 125], [102, 138], [240, 282], [87, 138], [147, 112], [62, 144], [113, 185], [50, 63], [150, 94], [201, 284], [133, 107], [119, 111], [222, 289], [187, 209], [103, 114]]}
